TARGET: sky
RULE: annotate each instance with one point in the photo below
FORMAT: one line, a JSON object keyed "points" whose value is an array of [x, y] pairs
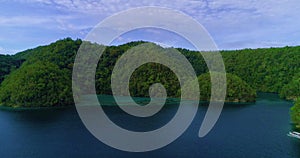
{"points": [[233, 24]]}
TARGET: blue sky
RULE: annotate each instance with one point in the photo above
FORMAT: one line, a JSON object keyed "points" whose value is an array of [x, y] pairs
{"points": [[232, 24]]}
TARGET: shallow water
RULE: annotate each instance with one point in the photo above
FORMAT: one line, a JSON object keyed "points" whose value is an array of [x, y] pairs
{"points": [[243, 131]]}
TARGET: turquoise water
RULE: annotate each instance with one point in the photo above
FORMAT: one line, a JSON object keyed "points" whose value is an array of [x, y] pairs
{"points": [[243, 131]]}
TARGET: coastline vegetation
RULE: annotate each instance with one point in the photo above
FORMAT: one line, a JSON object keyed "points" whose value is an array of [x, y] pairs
{"points": [[42, 76]]}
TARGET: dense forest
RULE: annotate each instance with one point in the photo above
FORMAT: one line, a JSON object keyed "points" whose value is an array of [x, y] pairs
{"points": [[42, 76], [7, 64], [237, 89]]}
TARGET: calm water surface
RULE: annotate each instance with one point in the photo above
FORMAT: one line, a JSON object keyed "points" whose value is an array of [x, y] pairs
{"points": [[251, 131]]}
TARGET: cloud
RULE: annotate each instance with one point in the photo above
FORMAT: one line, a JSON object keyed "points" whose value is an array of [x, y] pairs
{"points": [[8, 51], [250, 24], [22, 21], [233, 24]]}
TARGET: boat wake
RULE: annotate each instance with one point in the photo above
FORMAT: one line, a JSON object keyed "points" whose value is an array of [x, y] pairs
{"points": [[294, 134]]}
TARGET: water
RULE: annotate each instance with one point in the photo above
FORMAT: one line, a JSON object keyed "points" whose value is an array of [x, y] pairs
{"points": [[243, 131]]}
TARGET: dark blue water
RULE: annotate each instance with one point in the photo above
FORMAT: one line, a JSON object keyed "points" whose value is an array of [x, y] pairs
{"points": [[248, 131]]}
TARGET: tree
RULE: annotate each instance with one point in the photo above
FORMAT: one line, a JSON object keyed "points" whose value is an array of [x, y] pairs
{"points": [[295, 113], [237, 89], [291, 91], [38, 84]]}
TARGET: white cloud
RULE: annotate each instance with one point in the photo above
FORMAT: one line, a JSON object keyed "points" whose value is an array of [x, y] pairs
{"points": [[196, 8], [7, 51], [229, 21], [22, 20]]}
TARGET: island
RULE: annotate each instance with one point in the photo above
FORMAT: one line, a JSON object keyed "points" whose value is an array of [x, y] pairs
{"points": [[41, 77]]}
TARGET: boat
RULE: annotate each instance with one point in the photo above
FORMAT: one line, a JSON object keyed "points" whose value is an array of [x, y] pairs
{"points": [[294, 134]]}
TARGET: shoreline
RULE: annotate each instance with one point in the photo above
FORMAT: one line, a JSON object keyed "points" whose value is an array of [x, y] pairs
{"points": [[17, 109], [139, 100], [8, 108]]}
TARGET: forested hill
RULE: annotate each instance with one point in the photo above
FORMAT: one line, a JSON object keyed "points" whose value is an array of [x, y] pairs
{"points": [[7, 64], [264, 70]]}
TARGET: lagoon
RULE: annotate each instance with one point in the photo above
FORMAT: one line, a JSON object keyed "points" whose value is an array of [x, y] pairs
{"points": [[243, 131]]}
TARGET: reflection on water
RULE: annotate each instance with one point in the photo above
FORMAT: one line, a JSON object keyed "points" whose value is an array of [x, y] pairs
{"points": [[255, 130]]}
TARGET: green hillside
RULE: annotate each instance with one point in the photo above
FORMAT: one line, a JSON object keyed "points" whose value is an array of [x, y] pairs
{"points": [[32, 77], [237, 89]]}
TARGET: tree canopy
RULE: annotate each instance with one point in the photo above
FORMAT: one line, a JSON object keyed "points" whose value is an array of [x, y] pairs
{"points": [[295, 113], [265, 70], [237, 89], [291, 91], [36, 85]]}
